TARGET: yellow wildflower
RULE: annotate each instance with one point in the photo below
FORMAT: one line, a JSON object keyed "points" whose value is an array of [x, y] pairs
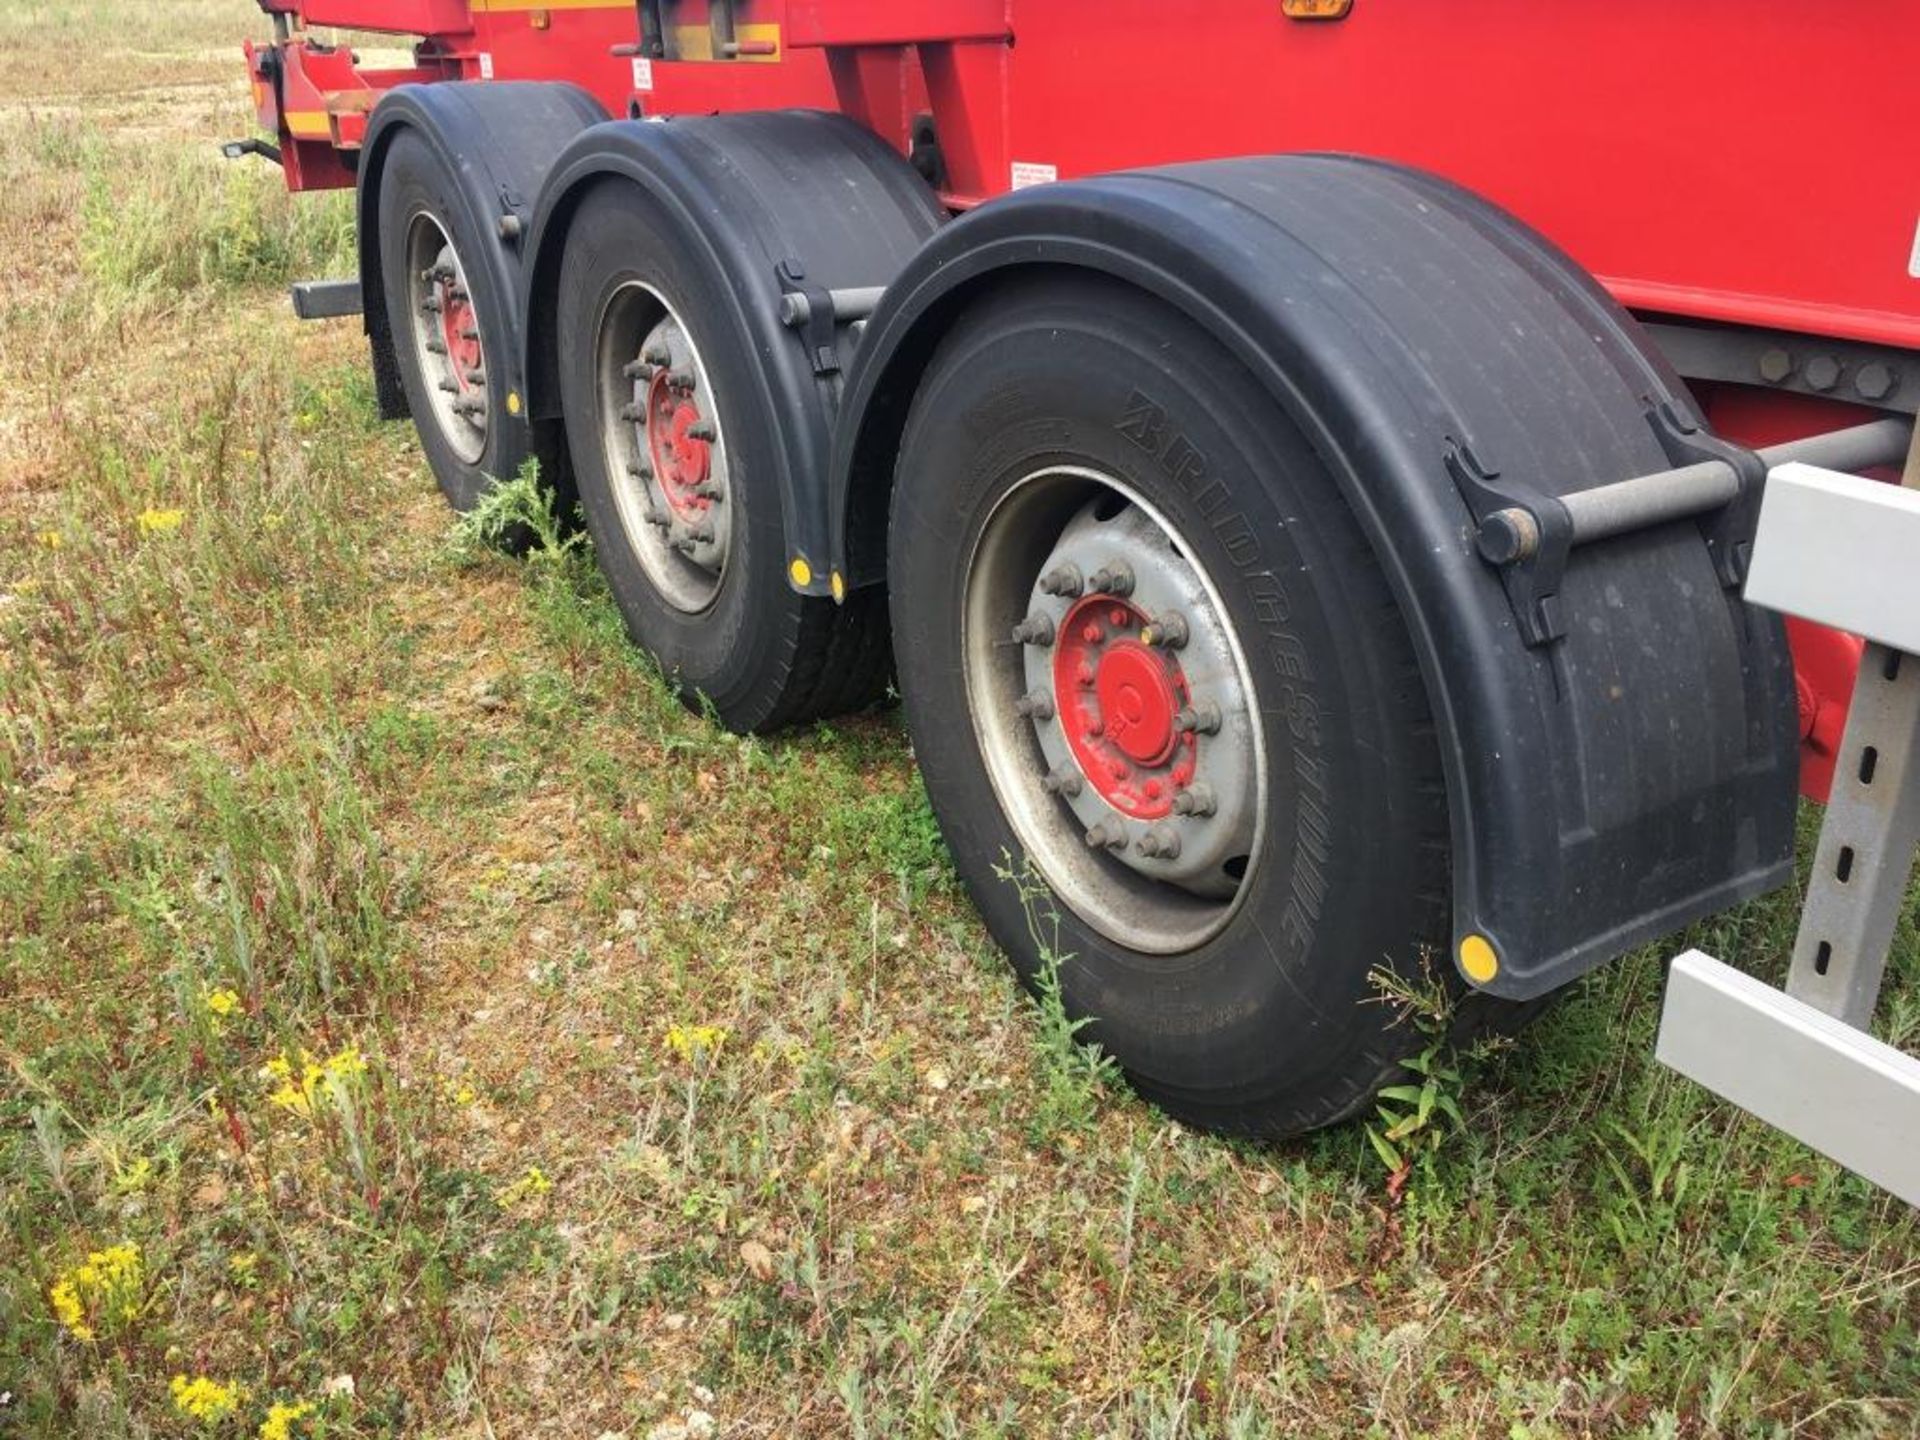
{"points": [[204, 1399], [222, 1003], [50, 539], [530, 1186], [690, 1042], [243, 1263], [300, 1086], [159, 522], [281, 1418], [104, 1292]]}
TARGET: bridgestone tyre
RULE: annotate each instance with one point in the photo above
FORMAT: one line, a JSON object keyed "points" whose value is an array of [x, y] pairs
{"points": [[1274, 1022], [763, 655], [418, 197]]}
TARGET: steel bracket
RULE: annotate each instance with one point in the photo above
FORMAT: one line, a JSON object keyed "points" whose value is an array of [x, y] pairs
{"points": [[1525, 534], [816, 326], [1727, 528]]}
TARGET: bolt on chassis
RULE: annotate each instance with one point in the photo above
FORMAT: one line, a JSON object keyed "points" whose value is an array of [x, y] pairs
{"points": [[1345, 488]]}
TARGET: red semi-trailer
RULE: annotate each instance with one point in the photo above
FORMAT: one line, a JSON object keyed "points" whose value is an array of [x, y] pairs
{"points": [[1313, 522]]}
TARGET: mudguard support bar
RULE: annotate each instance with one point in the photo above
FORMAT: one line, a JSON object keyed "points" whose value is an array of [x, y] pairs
{"points": [[1513, 533]]}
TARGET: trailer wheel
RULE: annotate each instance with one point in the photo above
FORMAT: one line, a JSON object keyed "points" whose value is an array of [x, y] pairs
{"points": [[448, 322], [677, 480], [1146, 652]]}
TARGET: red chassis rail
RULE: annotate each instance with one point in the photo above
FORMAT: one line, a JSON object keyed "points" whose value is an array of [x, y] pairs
{"points": [[1705, 161]]}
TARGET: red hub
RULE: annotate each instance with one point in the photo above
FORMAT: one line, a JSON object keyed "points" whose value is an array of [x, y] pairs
{"points": [[1117, 699], [681, 461], [460, 333]]}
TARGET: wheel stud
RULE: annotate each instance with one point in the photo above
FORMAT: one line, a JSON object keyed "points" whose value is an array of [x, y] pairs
{"points": [[430, 305], [1118, 768], [1092, 634], [1112, 579], [1195, 800], [702, 430], [476, 377], [1062, 580], [1036, 629], [657, 355], [633, 414], [1064, 781], [1169, 630], [713, 494], [1159, 843], [452, 387], [1085, 673], [1202, 717], [640, 470], [680, 381], [435, 347], [703, 535], [1093, 725], [1036, 706], [637, 370], [1107, 837]]}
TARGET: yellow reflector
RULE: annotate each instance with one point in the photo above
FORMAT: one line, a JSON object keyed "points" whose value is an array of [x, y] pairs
{"points": [[1315, 9], [1477, 959], [513, 402], [801, 572], [839, 583]]}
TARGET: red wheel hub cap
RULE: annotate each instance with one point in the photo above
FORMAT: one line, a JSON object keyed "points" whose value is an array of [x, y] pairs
{"points": [[681, 462], [1117, 700], [460, 333]]}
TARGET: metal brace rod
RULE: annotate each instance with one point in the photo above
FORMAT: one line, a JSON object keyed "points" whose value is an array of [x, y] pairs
{"points": [[849, 305], [1646, 500]]}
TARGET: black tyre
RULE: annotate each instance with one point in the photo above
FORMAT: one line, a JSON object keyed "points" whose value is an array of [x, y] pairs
{"points": [[448, 317], [677, 479], [1211, 742]]}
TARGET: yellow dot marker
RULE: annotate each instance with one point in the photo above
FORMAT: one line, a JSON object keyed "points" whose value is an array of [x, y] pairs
{"points": [[801, 572], [1477, 959], [513, 402], [839, 583]]}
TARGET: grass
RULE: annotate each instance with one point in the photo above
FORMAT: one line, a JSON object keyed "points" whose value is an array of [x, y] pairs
{"points": [[471, 1042]]}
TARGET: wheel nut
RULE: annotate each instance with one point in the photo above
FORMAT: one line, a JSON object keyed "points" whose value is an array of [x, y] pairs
{"points": [[1114, 579], [702, 430], [681, 380], [640, 471], [1036, 706], [1169, 630], [1036, 629], [1159, 843], [657, 355], [633, 414], [703, 535], [1197, 800], [1202, 717], [638, 370], [711, 493], [1107, 837], [1064, 781], [1062, 580]]}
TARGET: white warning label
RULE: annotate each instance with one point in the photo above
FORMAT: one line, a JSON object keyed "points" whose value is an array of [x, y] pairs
{"points": [[486, 65], [642, 74], [1026, 173]]}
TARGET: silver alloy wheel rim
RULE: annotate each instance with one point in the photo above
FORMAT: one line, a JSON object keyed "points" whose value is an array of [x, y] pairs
{"points": [[1143, 901], [681, 533], [456, 394]]}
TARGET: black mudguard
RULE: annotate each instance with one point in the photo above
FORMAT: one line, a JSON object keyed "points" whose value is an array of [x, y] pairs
{"points": [[500, 138], [1606, 787], [775, 201]]}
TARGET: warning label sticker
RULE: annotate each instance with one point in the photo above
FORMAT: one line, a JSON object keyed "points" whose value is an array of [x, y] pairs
{"points": [[642, 73], [486, 65], [1026, 173]]}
